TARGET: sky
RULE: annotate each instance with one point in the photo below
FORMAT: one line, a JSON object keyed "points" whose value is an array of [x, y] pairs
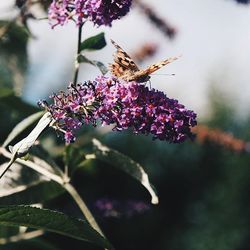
{"points": [[213, 37]]}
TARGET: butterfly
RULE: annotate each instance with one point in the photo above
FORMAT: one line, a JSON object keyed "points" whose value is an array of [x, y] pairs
{"points": [[125, 68]]}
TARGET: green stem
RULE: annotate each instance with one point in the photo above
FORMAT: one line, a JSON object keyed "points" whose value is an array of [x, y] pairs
{"points": [[12, 160], [77, 65], [64, 183], [33, 166]]}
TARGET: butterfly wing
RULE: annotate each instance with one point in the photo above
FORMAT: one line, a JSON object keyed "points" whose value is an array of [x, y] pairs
{"points": [[149, 70], [123, 66], [144, 74]]}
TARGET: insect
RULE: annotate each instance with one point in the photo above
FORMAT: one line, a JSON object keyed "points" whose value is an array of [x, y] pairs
{"points": [[125, 68]]}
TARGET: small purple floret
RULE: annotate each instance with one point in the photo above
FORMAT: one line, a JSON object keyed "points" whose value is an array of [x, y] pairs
{"points": [[100, 12], [125, 105]]}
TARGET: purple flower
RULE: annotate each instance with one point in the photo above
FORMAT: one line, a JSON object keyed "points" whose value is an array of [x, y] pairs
{"points": [[73, 109], [117, 209], [124, 105], [100, 12], [59, 12], [243, 1], [133, 105]]}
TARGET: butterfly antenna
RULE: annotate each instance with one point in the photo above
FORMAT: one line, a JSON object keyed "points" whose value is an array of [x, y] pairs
{"points": [[162, 74]]}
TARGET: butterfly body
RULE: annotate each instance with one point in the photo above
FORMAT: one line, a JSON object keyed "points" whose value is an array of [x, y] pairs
{"points": [[125, 68]]}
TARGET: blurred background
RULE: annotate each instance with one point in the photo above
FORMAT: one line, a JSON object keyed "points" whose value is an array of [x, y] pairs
{"points": [[212, 36], [203, 185]]}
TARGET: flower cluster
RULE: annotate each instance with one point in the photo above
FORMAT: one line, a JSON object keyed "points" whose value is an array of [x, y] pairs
{"points": [[73, 109], [112, 208], [156, 20], [100, 12], [243, 1], [123, 105], [219, 137]]}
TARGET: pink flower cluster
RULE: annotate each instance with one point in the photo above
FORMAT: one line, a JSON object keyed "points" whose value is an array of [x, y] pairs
{"points": [[100, 12], [123, 105]]}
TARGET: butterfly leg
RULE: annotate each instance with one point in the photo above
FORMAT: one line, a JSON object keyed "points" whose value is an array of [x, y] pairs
{"points": [[150, 86]]}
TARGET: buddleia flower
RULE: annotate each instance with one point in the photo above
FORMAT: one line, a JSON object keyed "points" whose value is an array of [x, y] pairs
{"points": [[100, 12], [124, 105]]}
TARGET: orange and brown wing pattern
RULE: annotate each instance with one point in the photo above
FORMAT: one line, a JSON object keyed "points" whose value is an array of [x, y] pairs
{"points": [[154, 67], [125, 68], [144, 74], [123, 65]]}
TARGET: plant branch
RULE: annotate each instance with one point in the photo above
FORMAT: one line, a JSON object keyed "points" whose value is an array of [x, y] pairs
{"points": [[12, 160], [64, 183], [22, 236], [71, 190], [81, 204], [34, 166], [77, 65]]}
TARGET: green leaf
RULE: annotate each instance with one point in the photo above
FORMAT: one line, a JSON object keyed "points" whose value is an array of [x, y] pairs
{"points": [[34, 193], [43, 158], [6, 232], [22, 185], [23, 146], [11, 102], [12, 110], [125, 164], [18, 178], [21, 126], [13, 50], [99, 65], [13, 37], [30, 244], [84, 59], [51, 221], [94, 43], [6, 92]]}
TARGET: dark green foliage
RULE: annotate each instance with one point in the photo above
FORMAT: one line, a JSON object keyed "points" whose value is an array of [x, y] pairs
{"points": [[38, 192], [12, 111], [203, 189], [203, 192], [13, 50], [35, 244], [51, 221], [99, 65], [14, 39], [96, 42], [124, 163]]}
